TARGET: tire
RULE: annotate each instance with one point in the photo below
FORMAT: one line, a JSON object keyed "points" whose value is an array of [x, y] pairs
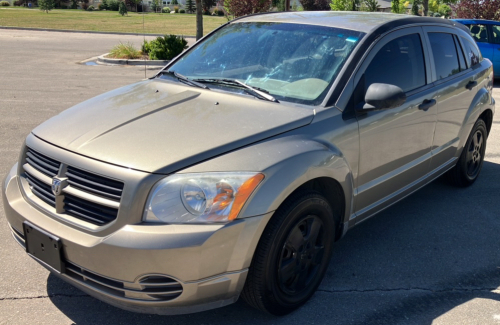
{"points": [[469, 165], [292, 255]]}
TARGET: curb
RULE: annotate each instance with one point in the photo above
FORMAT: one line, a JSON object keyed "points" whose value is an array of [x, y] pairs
{"points": [[103, 60], [83, 31]]}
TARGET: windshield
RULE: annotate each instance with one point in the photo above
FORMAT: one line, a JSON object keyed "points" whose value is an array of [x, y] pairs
{"points": [[292, 62]]}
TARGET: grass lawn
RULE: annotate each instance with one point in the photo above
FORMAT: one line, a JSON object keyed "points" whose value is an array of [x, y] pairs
{"points": [[107, 21]]}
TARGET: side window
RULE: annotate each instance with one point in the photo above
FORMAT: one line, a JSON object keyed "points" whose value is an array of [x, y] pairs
{"points": [[495, 30], [479, 33], [472, 54], [445, 54], [400, 62], [460, 51]]}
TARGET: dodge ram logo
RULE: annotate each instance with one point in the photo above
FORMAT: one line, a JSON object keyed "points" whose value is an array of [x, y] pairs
{"points": [[56, 186]]}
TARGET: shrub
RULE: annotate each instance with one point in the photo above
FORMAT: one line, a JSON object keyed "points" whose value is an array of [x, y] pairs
{"points": [[206, 12], [174, 2], [46, 5], [104, 5], [18, 3], [124, 51], [4, 3], [220, 12], [84, 5], [114, 5], [164, 48], [100, 6], [176, 9], [166, 10], [182, 11], [122, 9], [90, 8], [74, 4]]}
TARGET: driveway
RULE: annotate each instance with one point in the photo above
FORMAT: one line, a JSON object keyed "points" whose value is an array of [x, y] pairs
{"points": [[433, 258]]}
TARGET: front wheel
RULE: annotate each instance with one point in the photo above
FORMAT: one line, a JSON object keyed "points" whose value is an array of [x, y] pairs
{"points": [[292, 256], [469, 165]]}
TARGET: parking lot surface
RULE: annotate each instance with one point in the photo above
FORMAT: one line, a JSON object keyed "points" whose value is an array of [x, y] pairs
{"points": [[433, 258]]}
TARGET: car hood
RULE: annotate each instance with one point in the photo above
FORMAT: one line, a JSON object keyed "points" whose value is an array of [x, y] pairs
{"points": [[160, 126]]}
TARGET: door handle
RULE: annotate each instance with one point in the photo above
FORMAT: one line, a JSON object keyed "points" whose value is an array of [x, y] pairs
{"points": [[471, 84], [426, 104]]}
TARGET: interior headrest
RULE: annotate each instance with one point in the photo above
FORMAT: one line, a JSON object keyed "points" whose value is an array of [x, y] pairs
{"points": [[474, 29]]}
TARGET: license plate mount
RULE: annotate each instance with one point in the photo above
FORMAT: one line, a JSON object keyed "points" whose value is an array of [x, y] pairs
{"points": [[44, 247]]}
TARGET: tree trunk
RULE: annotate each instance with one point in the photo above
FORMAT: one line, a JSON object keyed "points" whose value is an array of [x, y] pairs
{"points": [[287, 5], [199, 20], [425, 4]]}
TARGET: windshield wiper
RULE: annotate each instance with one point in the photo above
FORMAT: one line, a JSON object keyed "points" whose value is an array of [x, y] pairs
{"points": [[257, 92], [185, 79]]}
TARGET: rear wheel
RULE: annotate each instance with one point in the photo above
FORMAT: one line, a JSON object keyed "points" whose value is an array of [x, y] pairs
{"points": [[292, 255], [469, 165]]}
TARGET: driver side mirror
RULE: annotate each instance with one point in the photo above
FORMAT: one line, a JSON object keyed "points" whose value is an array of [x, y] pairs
{"points": [[383, 96]]}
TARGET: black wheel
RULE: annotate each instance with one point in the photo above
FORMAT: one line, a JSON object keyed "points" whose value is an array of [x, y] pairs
{"points": [[469, 165], [292, 255]]}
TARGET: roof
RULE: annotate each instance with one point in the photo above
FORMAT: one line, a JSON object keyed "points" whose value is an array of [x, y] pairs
{"points": [[477, 21], [353, 20]]}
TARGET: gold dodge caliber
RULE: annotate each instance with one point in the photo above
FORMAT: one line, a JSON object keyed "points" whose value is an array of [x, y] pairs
{"points": [[235, 169]]}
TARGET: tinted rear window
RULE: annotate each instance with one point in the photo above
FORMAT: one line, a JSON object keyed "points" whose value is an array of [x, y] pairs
{"points": [[445, 55]]}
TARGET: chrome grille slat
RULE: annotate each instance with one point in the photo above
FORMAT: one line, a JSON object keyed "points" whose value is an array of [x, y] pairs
{"points": [[92, 191], [94, 212], [41, 190], [94, 184], [89, 197]]}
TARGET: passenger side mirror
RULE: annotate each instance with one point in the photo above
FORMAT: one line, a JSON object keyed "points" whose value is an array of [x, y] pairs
{"points": [[383, 96]]}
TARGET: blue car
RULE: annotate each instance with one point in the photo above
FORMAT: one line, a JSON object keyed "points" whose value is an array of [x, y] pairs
{"points": [[487, 36]]}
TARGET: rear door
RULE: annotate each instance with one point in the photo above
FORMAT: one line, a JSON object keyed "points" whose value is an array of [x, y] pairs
{"points": [[495, 40], [455, 86]]}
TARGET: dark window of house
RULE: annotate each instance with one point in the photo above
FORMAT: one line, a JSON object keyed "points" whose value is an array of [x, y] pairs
{"points": [[445, 55], [400, 62]]}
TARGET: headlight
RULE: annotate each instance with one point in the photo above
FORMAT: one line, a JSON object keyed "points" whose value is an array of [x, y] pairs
{"points": [[199, 198]]}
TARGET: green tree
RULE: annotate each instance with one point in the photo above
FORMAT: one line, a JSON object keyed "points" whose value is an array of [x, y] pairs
{"points": [[414, 8], [444, 10], [341, 5], [371, 5], [155, 5], [122, 9], [46, 5], [105, 4], [190, 6], [395, 6]]}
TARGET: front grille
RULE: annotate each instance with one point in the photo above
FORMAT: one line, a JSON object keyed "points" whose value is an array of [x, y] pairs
{"points": [[43, 164], [41, 190], [94, 184], [89, 211], [155, 288], [89, 197]]}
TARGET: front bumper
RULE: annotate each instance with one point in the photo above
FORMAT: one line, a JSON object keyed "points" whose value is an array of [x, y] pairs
{"points": [[209, 262]]}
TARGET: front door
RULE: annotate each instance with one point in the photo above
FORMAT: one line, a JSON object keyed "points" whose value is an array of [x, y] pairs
{"points": [[395, 144]]}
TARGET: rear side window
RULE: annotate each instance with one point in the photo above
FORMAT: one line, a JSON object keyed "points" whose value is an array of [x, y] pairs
{"points": [[445, 56], [496, 33], [400, 62], [472, 54], [479, 33]]}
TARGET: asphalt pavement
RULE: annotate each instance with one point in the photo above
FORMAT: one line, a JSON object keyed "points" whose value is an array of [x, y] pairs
{"points": [[433, 258]]}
